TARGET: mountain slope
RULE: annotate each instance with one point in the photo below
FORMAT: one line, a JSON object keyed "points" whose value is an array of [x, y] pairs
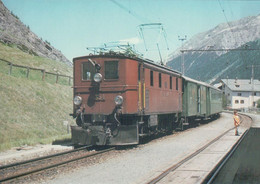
{"points": [[13, 31], [224, 36]]}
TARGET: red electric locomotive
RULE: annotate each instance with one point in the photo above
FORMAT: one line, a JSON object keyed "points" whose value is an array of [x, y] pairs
{"points": [[119, 98]]}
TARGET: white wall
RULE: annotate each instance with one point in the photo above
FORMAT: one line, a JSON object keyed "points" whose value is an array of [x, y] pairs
{"points": [[246, 96]]}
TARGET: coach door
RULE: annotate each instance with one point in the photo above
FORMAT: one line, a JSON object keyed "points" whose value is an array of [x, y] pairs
{"points": [[199, 100]]}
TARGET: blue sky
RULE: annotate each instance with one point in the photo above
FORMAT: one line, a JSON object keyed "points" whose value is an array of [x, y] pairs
{"points": [[73, 25]]}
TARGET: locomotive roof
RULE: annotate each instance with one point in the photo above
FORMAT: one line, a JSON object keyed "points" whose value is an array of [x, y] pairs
{"points": [[147, 61], [122, 56]]}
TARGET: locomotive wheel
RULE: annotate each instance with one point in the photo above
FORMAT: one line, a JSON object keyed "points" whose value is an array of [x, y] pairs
{"points": [[78, 121], [181, 128]]}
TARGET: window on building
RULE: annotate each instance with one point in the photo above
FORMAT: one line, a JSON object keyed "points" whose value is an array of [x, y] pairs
{"points": [[236, 101], [160, 80], [111, 69], [239, 94], [242, 101], [170, 82], [177, 85], [88, 71], [151, 78], [254, 93], [237, 85]]}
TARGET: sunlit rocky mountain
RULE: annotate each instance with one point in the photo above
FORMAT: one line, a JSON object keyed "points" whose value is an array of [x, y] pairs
{"points": [[211, 65]]}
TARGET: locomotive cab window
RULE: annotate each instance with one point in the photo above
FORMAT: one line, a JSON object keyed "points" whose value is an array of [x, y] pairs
{"points": [[88, 71], [111, 70]]}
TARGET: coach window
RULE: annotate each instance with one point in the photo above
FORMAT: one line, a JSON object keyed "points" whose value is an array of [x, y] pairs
{"points": [[170, 82], [111, 69], [177, 84], [160, 80], [151, 78], [88, 71]]}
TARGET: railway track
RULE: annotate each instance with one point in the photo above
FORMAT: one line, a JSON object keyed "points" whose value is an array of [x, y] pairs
{"points": [[189, 157], [18, 170]]}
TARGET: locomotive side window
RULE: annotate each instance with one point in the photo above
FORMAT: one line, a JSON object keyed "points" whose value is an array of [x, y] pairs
{"points": [[111, 69], [151, 78], [88, 71], [160, 80], [177, 85], [170, 82]]}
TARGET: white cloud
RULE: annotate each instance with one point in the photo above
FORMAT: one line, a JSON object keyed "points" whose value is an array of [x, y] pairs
{"points": [[131, 41]]}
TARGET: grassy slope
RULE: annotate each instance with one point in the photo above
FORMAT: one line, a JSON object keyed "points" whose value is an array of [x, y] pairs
{"points": [[32, 111]]}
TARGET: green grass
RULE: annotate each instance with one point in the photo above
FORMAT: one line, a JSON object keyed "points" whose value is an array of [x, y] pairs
{"points": [[16, 56], [31, 110]]}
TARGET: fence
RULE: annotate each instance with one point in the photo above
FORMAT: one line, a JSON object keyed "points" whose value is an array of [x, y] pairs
{"points": [[44, 73]]}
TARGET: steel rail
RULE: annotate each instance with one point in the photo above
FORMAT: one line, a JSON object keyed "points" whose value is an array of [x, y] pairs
{"points": [[192, 155], [42, 158], [53, 165]]}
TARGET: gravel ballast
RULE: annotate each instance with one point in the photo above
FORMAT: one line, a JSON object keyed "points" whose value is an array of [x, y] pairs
{"points": [[140, 164]]}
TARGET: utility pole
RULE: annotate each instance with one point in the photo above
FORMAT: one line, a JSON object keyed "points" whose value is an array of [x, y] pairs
{"points": [[182, 52], [252, 82]]}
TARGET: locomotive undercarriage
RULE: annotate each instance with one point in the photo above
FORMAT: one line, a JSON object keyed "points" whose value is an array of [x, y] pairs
{"points": [[98, 129], [118, 129], [155, 124]]}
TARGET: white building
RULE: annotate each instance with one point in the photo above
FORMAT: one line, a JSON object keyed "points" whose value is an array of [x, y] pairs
{"points": [[241, 93]]}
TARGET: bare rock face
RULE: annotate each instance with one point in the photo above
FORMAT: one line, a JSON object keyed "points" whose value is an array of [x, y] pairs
{"points": [[13, 31], [210, 66], [226, 35]]}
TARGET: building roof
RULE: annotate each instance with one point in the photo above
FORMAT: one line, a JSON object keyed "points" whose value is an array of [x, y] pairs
{"points": [[242, 84]]}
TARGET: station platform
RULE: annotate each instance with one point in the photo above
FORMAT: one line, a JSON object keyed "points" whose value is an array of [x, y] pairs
{"points": [[244, 164], [242, 167]]}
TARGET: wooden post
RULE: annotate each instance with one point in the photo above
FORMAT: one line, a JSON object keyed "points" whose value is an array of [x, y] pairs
{"points": [[28, 70], [57, 78], [43, 75], [10, 70]]}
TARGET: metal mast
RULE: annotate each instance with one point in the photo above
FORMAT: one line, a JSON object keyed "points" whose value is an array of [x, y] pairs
{"points": [[182, 52]]}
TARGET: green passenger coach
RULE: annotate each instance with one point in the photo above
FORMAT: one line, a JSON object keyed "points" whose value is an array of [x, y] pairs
{"points": [[200, 101]]}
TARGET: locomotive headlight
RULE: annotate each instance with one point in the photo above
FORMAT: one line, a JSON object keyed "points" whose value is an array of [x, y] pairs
{"points": [[119, 100], [77, 100], [97, 77]]}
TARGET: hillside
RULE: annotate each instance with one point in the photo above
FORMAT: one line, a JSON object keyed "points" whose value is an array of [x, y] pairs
{"points": [[13, 31], [235, 64], [237, 34], [32, 111]]}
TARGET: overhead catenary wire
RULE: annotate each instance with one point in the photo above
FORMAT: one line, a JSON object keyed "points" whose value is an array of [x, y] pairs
{"points": [[231, 30], [161, 32], [131, 12], [145, 23]]}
